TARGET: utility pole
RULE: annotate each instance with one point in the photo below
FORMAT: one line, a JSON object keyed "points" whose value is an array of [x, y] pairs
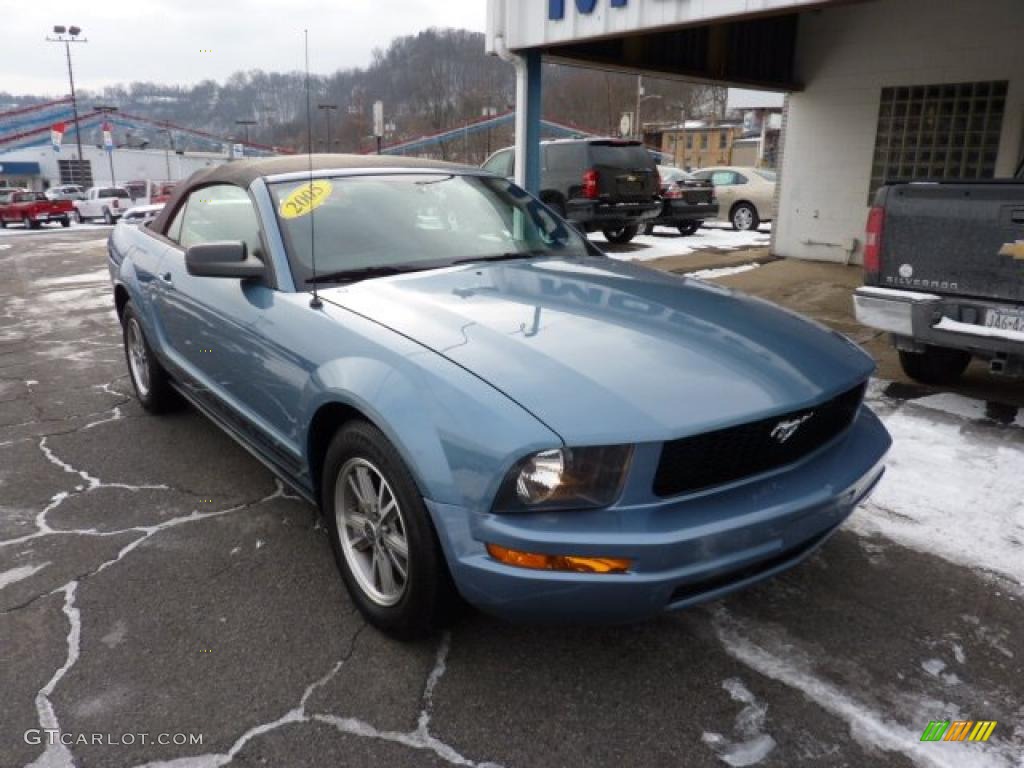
{"points": [[107, 110], [245, 123], [327, 120], [68, 35], [167, 152]]}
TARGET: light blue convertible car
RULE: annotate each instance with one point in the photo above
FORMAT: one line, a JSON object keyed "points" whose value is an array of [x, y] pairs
{"points": [[484, 405]]}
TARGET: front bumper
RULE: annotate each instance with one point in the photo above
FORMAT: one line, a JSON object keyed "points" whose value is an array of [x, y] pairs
{"points": [[913, 319], [595, 214], [684, 550]]}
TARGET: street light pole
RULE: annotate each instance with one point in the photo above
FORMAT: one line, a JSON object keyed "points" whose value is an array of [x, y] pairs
{"points": [[68, 35], [327, 121], [107, 110]]}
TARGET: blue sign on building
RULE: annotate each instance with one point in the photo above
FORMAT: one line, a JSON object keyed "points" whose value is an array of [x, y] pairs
{"points": [[19, 169], [556, 8]]}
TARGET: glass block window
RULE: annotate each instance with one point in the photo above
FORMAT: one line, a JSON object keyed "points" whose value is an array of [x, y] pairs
{"points": [[948, 131]]}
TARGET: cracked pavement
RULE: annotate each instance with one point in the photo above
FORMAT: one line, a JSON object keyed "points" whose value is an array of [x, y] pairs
{"points": [[156, 579]]}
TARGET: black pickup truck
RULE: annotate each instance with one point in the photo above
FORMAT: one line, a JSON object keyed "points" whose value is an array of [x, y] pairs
{"points": [[944, 274]]}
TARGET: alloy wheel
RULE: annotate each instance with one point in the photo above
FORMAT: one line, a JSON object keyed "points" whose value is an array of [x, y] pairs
{"points": [[137, 358], [372, 532]]}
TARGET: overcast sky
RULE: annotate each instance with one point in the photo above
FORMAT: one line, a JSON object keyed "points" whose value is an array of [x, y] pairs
{"points": [[164, 40]]}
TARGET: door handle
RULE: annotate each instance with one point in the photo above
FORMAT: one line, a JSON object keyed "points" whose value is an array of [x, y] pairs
{"points": [[166, 279]]}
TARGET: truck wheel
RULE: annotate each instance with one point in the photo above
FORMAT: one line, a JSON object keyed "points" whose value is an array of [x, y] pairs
{"points": [[936, 365], [649, 228], [621, 235], [107, 217], [744, 217], [65, 222], [78, 217], [382, 537], [28, 223], [151, 382], [689, 227], [3, 223]]}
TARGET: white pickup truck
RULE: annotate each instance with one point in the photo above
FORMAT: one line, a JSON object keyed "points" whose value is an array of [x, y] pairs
{"points": [[107, 203]]}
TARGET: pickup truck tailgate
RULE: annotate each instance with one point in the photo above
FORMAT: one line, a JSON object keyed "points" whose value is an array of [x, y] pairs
{"points": [[961, 238]]}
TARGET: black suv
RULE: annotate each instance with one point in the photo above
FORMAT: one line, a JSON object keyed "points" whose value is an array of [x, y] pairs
{"points": [[600, 184]]}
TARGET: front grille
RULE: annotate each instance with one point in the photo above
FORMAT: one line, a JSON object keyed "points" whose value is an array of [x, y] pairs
{"points": [[725, 455]]}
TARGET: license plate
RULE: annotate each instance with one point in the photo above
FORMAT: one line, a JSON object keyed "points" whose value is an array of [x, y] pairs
{"points": [[1005, 319]]}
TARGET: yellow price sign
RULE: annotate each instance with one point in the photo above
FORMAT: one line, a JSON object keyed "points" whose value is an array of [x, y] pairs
{"points": [[305, 198]]}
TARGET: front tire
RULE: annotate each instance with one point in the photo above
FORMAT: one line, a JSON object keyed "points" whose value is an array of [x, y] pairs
{"points": [[65, 222], [150, 380], [621, 235], [107, 216], [744, 217], [381, 534], [689, 228], [936, 365]]}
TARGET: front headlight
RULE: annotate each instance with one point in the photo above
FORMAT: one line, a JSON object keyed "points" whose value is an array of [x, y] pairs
{"points": [[565, 478]]}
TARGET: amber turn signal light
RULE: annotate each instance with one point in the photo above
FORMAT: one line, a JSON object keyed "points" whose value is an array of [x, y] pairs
{"points": [[575, 563]]}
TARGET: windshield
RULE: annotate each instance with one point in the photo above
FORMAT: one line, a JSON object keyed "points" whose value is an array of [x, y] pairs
{"points": [[413, 221]]}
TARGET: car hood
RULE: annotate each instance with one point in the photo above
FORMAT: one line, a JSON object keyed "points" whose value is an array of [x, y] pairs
{"points": [[608, 352]]}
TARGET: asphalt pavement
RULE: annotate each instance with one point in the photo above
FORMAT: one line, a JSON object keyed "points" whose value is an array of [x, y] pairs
{"points": [[158, 584]]}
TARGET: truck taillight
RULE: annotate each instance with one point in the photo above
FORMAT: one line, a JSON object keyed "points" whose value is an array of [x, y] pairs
{"points": [[672, 192], [590, 184], [115, 203], [873, 240]]}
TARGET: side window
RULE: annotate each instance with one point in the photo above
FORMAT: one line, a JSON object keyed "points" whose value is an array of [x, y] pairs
{"points": [[722, 178], [220, 212], [501, 163], [739, 178], [174, 231], [565, 158]]}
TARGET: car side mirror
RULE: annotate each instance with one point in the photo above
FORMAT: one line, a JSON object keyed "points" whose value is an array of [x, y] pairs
{"points": [[226, 258]]}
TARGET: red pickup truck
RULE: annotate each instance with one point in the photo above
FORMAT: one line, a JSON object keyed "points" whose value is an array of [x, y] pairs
{"points": [[31, 209]]}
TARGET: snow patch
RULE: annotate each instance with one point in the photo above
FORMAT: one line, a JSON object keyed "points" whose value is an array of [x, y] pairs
{"points": [[970, 329], [755, 745], [939, 475], [97, 276], [778, 658], [15, 575], [711, 274], [647, 247], [57, 755], [936, 668]]}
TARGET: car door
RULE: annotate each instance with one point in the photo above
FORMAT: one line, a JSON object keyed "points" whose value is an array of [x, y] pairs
{"points": [[221, 332], [725, 189]]}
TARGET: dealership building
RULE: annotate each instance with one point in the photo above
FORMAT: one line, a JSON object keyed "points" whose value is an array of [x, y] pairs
{"points": [[876, 90]]}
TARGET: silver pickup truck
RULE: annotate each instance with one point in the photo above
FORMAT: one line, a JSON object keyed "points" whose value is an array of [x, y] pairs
{"points": [[944, 274]]}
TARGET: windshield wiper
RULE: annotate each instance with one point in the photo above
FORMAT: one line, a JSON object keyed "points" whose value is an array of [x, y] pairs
{"points": [[509, 256], [363, 273]]}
